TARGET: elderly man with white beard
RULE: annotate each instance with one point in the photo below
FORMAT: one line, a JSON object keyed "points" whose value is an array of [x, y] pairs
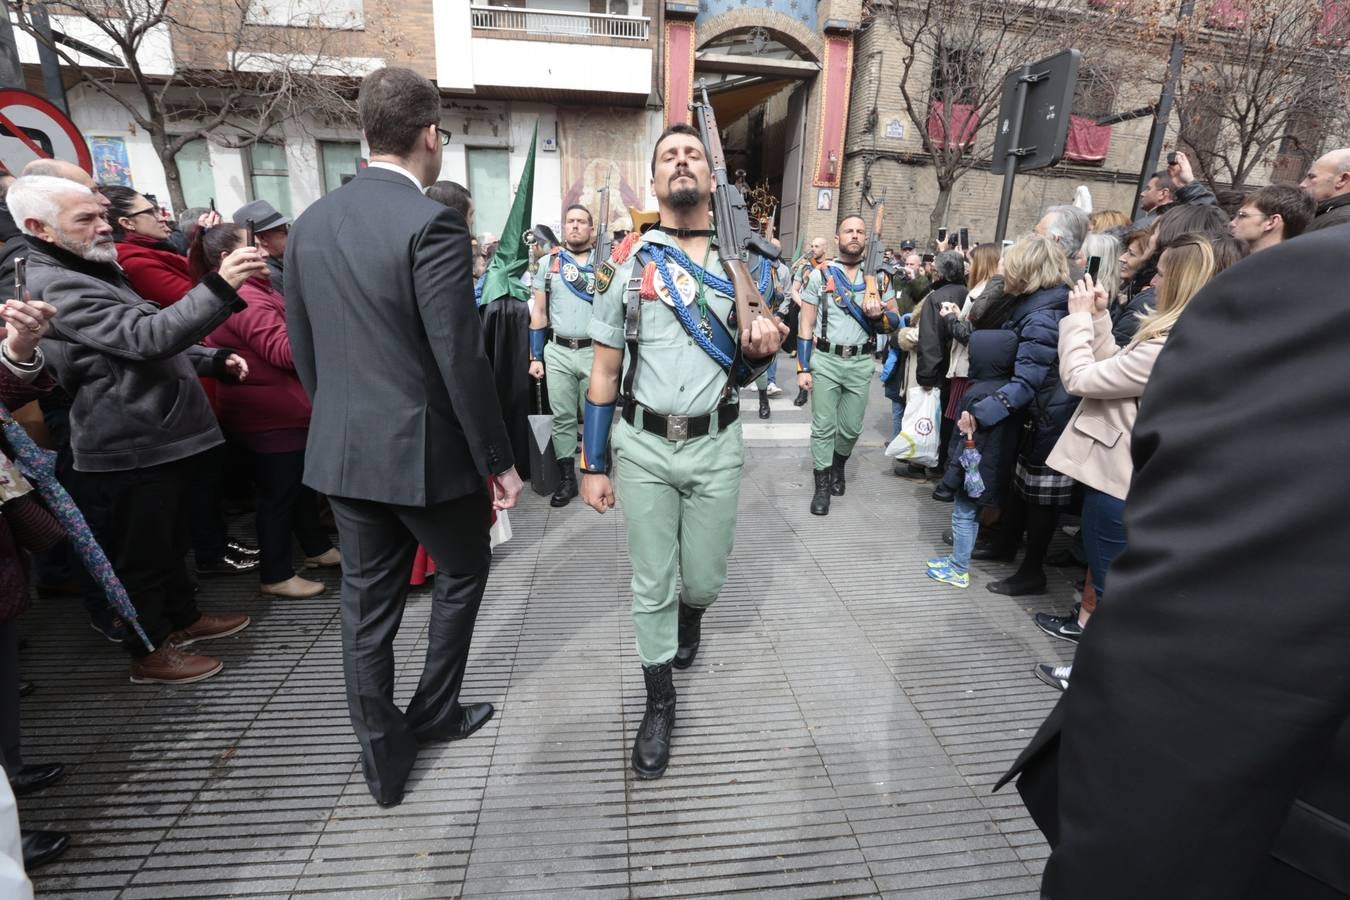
{"points": [[140, 416]]}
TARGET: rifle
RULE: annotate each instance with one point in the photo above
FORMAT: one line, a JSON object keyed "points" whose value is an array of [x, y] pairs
{"points": [[737, 243], [604, 244], [872, 256]]}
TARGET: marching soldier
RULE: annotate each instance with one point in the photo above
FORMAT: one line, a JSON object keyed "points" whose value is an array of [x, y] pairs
{"points": [[841, 326], [677, 447], [564, 289], [813, 259]]}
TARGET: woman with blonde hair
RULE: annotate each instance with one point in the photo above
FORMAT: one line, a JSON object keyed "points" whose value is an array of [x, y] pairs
{"points": [[1095, 449], [1036, 276], [1107, 220]]}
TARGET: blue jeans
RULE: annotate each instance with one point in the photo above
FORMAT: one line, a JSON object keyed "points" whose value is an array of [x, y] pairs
{"points": [[1103, 533], [897, 416], [773, 370], [965, 526]]}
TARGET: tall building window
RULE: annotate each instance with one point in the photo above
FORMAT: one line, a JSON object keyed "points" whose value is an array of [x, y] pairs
{"points": [[338, 159], [490, 184], [268, 175], [194, 171]]}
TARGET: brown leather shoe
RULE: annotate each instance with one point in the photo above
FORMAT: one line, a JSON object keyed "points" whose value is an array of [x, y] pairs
{"points": [[329, 559], [169, 665], [295, 588], [209, 626]]}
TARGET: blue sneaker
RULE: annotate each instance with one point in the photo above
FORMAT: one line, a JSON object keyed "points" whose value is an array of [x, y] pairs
{"points": [[938, 562], [947, 575]]}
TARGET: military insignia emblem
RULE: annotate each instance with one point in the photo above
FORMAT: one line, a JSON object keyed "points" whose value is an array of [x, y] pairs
{"points": [[685, 285], [570, 272], [603, 275]]}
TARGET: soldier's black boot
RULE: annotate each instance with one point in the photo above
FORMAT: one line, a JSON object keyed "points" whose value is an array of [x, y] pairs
{"points": [[837, 475], [651, 749], [763, 404], [820, 502], [691, 627], [567, 483], [802, 397]]}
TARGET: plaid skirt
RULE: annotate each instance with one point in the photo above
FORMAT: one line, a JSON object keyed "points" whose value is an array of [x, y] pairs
{"points": [[1042, 485]]}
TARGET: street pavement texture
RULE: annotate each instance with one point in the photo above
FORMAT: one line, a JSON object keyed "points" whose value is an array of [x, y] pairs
{"points": [[838, 736]]}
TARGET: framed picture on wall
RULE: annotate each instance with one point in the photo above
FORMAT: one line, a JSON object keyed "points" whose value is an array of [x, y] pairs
{"points": [[825, 198]]}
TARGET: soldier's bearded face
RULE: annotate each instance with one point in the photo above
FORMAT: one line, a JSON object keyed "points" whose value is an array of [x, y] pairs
{"points": [[682, 178]]}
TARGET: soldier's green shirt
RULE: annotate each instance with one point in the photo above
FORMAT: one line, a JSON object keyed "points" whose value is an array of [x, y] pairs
{"points": [[568, 314], [841, 328], [674, 375]]}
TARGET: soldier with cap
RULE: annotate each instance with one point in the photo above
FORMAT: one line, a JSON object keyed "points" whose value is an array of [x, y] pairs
{"points": [[840, 324], [677, 447], [564, 289], [270, 229]]}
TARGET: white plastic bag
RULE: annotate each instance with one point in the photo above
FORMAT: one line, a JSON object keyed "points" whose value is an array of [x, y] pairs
{"points": [[500, 532], [919, 434]]}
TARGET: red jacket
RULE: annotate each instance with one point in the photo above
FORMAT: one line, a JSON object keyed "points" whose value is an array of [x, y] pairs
{"points": [[272, 397], [157, 274]]}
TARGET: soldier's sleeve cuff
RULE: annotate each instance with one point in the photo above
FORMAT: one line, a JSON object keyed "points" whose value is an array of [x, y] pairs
{"points": [[604, 333]]}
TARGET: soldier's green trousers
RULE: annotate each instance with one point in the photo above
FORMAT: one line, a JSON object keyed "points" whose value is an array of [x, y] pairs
{"points": [[838, 402], [568, 373], [679, 504]]}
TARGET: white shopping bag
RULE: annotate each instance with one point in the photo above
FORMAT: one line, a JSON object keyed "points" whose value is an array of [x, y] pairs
{"points": [[501, 529], [918, 440]]}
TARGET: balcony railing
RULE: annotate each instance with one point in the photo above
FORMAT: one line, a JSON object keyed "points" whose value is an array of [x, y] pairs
{"points": [[548, 22]]}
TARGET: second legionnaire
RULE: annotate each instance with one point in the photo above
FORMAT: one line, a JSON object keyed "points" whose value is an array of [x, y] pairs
{"points": [[564, 288], [840, 319], [677, 448]]}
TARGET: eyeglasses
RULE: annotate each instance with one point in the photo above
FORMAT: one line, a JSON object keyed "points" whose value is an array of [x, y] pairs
{"points": [[444, 135], [148, 211]]}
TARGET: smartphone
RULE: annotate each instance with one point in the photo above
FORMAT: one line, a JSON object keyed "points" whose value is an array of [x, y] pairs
{"points": [[20, 278], [252, 238], [942, 235], [1172, 158], [1093, 267], [1008, 242], [965, 238], [212, 202]]}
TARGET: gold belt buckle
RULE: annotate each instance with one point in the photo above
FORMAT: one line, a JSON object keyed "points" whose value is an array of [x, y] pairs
{"points": [[677, 428]]}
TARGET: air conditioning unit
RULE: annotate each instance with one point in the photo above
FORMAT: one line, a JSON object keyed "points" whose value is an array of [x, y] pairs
{"points": [[620, 8]]}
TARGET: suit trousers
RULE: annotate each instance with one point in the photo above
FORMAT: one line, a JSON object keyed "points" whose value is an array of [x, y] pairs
{"points": [[142, 519], [569, 374], [285, 507], [11, 759], [838, 404], [679, 500], [378, 542]]}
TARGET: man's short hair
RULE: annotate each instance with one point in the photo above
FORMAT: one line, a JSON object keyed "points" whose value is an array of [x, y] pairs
{"points": [[840, 227], [950, 266], [677, 128], [589, 218], [35, 197], [395, 104], [452, 194], [1068, 225], [1165, 182], [1294, 207], [190, 215]]}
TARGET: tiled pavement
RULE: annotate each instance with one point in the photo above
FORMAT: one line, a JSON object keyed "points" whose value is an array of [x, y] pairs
{"points": [[837, 737]]}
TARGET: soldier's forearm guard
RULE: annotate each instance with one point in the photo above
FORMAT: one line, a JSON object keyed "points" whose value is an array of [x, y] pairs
{"points": [[595, 438], [537, 343], [804, 348]]}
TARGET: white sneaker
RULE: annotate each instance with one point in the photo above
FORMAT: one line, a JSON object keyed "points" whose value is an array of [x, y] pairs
{"points": [[773, 390]]}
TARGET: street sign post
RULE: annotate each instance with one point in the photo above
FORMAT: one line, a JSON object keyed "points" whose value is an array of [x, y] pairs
{"points": [[33, 128], [1033, 122]]}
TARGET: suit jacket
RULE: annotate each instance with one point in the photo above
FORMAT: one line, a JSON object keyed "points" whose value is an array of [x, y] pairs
{"points": [[386, 340], [1209, 691]]}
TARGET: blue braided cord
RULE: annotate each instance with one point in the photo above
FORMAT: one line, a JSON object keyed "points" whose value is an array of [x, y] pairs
{"points": [[566, 258], [713, 281], [848, 290], [682, 313], [841, 279]]}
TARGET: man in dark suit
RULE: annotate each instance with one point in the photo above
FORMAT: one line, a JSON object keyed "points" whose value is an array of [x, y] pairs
{"points": [[406, 428], [1202, 750]]}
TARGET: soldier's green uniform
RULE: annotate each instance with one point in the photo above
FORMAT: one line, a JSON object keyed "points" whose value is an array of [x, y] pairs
{"points": [[568, 353], [679, 492], [841, 373]]}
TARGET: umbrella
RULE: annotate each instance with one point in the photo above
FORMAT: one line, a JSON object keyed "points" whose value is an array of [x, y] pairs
{"points": [[39, 467], [970, 461]]}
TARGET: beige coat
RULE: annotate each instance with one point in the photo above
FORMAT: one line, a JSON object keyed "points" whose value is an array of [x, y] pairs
{"points": [[1095, 447]]}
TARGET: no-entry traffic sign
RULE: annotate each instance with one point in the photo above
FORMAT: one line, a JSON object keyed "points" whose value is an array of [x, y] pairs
{"points": [[32, 128]]}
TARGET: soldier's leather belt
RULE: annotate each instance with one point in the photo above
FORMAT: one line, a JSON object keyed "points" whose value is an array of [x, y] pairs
{"points": [[572, 343], [680, 428], [844, 350]]}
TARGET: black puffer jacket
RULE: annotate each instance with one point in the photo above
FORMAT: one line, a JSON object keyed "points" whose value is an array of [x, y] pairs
{"points": [[935, 345], [1034, 386], [993, 353]]}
